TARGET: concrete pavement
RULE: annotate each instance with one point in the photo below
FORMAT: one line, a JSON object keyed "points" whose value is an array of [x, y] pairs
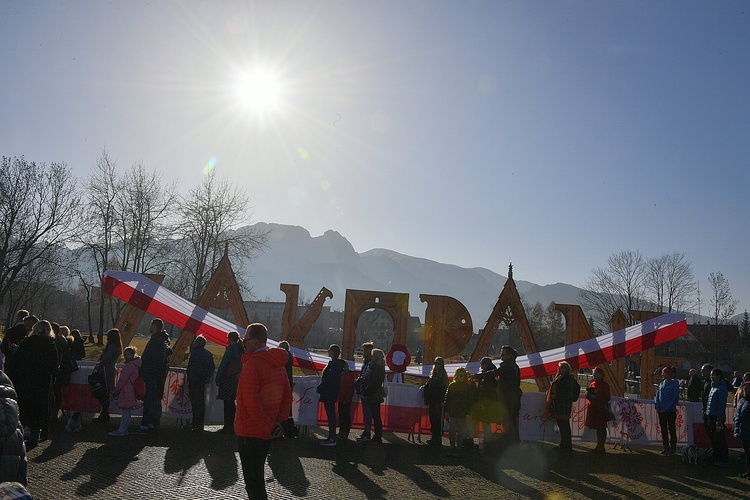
{"points": [[175, 463]]}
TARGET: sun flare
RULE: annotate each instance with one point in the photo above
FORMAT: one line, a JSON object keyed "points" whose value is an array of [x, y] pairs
{"points": [[259, 90]]}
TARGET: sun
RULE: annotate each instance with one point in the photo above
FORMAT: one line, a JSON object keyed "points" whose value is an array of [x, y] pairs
{"points": [[259, 90]]}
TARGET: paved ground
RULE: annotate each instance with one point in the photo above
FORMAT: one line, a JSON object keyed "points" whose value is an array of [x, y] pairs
{"points": [[182, 464]]}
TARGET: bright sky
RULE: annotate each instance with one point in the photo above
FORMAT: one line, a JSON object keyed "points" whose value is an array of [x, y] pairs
{"points": [[550, 134]]}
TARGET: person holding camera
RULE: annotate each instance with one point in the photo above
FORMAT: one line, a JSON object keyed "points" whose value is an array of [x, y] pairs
{"points": [[264, 400]]}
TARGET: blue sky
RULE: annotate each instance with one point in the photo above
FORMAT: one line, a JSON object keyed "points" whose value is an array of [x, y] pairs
{"points": [[549, 134]]}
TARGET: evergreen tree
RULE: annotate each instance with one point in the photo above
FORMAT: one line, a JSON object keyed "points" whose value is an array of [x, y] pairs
{"points": [[554, 319], [745, 326]]}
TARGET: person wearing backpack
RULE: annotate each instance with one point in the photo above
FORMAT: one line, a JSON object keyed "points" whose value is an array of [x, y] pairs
{"points": [[124, 391], [563, 392]]}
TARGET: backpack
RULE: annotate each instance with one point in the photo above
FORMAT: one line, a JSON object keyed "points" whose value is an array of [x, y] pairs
{"points": [[139, 388]]}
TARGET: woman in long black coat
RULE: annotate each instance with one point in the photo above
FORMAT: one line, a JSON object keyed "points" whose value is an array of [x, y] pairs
{"points": [[35, 362]]}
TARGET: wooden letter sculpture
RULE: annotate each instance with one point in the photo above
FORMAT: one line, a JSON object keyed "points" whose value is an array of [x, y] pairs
{"points": [[222, 292], [293, 331], [509, 310], [447, 326], [358, 301]]}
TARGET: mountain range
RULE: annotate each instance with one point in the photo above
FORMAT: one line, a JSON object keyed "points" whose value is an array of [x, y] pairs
{"points": [[329, 260]]}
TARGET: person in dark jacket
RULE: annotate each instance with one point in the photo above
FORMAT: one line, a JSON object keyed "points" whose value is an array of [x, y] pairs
{"points": [[459, 400], [742, 425], [487, 409], [200, 369], [509, 391], [154, 367], [79, 345], [15, 334], [13, 464], [361, 381], [14, 340], [329, 387], [111, 353], [739, 394], [694, 386], [373, 396], [227, 377], [434, 395], [344, 406], [563, 392], [35, 363], [289, 364], [716, 413]]}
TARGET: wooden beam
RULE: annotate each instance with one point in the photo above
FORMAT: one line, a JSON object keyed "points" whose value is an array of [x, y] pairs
{"points": [[578, 329], [131, 316]]}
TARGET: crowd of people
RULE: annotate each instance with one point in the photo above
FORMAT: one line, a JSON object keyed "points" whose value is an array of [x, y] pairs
{"points": [[37, 359], [255, 385]]}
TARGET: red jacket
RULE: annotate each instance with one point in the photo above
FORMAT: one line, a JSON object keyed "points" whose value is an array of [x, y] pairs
{"points": [[595, 418], [264, 397]]}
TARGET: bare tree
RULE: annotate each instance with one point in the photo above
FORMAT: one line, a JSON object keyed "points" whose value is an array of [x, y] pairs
{"points": [[723, 304], [103, 188], [145, 220], [671, 282], [209, 218], [680, 284], [621, 285], [656, 280], [38, 213]]}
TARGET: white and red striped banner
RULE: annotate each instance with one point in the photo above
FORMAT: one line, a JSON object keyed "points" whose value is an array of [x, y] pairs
{"points": [[157, 300]]}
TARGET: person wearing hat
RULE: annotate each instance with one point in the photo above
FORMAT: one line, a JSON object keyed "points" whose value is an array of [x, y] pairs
{"points": [[487, 408], [598, 396], [329, 388], [667, 396]]}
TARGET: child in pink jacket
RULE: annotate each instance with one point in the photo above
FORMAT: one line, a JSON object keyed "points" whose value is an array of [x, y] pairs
{"points": [[125, 390]]}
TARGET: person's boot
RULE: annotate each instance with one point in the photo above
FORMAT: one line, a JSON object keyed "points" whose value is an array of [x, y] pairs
{"points": [[103, 418]]}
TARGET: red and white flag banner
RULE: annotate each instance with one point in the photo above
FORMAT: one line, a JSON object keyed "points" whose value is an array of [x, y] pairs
{"points": [[158, 301]]}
